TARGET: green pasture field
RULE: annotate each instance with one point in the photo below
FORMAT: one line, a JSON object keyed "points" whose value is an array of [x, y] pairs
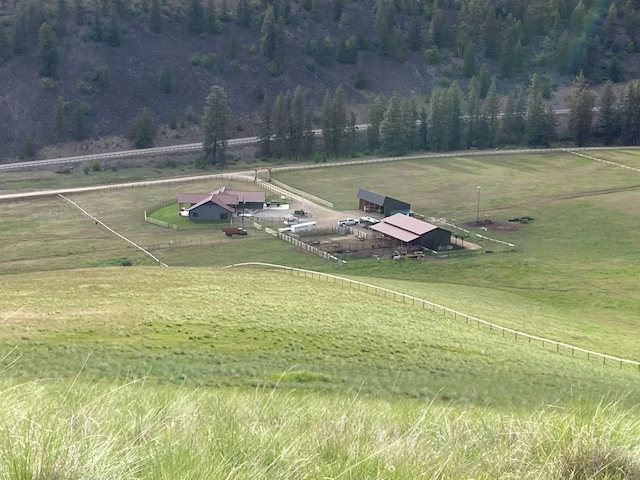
{"points": [[575, 265], [573, 275], [249, 327], [195, 371], [16, 180], [629, 157]]}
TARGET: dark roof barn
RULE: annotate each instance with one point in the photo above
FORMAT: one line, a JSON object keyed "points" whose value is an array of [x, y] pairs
{"points": [[375, 203]]}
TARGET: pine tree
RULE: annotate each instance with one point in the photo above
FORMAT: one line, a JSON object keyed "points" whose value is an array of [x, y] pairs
{"points": [[473, 138], [299, 126], [581, 111], [165, 78], [215, 124], [60, 122], [62, 16], [212, 24], [142, 129], [81, 112], [438, 125], [6, 49], [437, 33], [422, 130], [113, 31], [272, 41], [334, 122], [280, 126], [538, 127], [155, 19], [376, 115], [360, 79], [414, 37], [630, 114], [266, 129], [48, 59], [243, 13], [454, 114], [492, 115], [80, 12], [608, 124], [195, 18], [469, 62], [392, 129]]}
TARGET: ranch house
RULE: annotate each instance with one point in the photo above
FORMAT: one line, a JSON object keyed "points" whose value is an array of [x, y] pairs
{"points": [[372, 202], [220, 204], [404, 230]]}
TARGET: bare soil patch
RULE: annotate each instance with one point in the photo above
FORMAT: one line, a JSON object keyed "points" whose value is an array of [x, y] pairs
{"points": [[493, 225]]}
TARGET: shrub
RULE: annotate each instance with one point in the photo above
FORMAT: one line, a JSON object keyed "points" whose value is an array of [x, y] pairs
{"points": [[206, 61], [94, 82], [433, 56], [46, 83]]}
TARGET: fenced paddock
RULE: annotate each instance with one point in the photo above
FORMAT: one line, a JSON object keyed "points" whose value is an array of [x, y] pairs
{"points": [[146, 251], [516, 335]]}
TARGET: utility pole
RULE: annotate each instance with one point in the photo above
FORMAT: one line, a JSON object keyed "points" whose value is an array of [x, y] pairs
{"points": [[478, 206]]}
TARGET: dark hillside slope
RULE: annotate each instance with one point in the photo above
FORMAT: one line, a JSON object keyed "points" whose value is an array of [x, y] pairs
{"points": [[27, 104]]}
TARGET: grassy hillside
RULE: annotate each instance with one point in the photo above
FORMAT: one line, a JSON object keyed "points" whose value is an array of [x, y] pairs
{"points": [[252, 373], [340, 383], [63, 430], [212, 327]]}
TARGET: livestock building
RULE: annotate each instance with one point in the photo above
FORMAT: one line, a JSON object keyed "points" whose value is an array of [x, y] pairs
{"points": [[372, 202], [408, 231], [220, 204]]}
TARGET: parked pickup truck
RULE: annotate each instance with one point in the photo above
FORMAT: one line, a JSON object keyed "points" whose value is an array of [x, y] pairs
{"points": [[231, 231]]}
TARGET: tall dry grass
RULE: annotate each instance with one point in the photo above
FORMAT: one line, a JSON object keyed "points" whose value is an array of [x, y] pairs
{"points": [[107, 431]]}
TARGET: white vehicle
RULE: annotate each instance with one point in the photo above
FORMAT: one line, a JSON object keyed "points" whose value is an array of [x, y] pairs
{"points": [[302, 227], [369, 220], [347, 221], [291, 220]]}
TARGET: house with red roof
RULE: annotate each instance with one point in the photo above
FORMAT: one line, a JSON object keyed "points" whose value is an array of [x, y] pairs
{"points": [[404, 230]]}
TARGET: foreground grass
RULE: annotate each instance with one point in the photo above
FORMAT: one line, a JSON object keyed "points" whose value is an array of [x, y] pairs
{"points": [[209, 328], [141, 431]]}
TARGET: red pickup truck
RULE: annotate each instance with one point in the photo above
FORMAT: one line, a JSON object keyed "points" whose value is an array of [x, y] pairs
{"points": [[231, 231]]}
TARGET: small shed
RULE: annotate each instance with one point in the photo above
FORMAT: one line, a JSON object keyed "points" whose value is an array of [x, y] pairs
{"points": [[372, 202], [405, 230]]}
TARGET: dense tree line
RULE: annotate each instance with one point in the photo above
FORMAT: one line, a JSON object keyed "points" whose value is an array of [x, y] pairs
{"points": [[452, 120], [560, 36], [491, 41]]}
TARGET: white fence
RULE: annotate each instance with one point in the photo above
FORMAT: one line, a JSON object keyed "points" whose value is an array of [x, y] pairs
{"points": [[303, 245], [301, 194], [110, 230], [558, 347]]}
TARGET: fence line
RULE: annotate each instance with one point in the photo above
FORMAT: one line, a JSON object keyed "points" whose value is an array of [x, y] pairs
{"points": [[109, 229], [303, 245], [302, 194], [159, 222], [445, 310], [471, 234]]}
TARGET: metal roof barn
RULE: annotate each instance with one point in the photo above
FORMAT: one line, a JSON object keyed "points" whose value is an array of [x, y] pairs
{"points": [[372, 202], [410, 231]]}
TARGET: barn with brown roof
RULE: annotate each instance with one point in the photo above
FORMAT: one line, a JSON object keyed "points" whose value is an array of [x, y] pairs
{"points": [[408, 231]]}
